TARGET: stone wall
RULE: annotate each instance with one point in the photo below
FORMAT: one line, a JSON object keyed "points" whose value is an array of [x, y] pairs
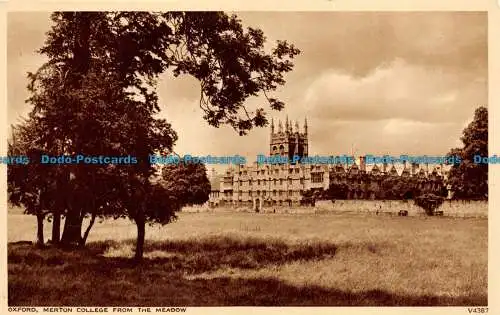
{"points": [[454, 208], [450, 208]]}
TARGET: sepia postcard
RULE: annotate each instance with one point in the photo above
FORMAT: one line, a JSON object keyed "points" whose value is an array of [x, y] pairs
{"points": [[326, 157]]}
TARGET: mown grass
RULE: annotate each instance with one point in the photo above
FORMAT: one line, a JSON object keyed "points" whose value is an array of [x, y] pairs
{"points": [[216, 259]]}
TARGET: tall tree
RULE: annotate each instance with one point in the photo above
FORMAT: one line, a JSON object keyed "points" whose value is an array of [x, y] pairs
{"points": [[188, 182], [469, 179], [25, 190], [32, 185], [96, 95]]}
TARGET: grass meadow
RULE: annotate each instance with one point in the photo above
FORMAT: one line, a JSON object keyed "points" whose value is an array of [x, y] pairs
{"points": [[229, 259]]}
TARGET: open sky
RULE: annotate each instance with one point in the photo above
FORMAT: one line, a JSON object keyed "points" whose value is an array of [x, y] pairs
{"points": [[383, 83]]}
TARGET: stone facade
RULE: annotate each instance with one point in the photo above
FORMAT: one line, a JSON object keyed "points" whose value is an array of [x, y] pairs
{"points": [[270, 185], [266, 185]]}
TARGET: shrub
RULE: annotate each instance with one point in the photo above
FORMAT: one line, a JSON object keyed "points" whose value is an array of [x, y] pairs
{"points": [[429, 202]]}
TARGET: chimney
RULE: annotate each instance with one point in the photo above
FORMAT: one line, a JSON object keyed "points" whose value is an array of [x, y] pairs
{"points": [[414, 168], [362, 164]]}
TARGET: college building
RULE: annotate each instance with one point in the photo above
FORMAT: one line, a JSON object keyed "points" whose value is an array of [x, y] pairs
{"points": [[267, 185]]}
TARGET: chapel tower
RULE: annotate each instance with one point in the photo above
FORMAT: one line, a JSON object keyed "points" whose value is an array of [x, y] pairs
{"points": [[288, 140]]}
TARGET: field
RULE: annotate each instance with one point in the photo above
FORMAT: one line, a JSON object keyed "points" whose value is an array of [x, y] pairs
{"points": [[226, 259]]}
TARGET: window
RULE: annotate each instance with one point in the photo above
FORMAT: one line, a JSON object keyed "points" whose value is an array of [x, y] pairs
{"points": [[296, 171], [290, 193], [317, 177], [281, 193], [302, 181], [290, 171], [274, 182], [258, 182], [241, 182], [258, 192], [264, 193], [290, 181], [250, 182], [281, 181], [274, 192], [250, 193], [262, 172]]}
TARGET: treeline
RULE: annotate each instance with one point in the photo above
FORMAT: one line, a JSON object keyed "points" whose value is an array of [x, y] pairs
{"points": [[368, 186], [466, 180]]}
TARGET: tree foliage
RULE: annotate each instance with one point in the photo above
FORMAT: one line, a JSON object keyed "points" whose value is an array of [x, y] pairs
{"points": [[187, 182], [382, 186], [97, 96], [429, 202], [468, 179], [30, 186], [337, 191]]}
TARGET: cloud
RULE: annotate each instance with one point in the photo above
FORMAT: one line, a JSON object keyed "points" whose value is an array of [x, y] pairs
{"points": [[398, 90], [357, 43], [398, 108]]}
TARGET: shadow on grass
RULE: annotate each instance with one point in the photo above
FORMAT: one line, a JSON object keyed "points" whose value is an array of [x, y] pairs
{"points": [[189, 256], [89, 278]]}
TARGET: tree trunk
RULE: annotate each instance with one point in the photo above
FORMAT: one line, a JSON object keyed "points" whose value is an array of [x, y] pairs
{"points": [[87, 231], [39, 233], [141, 232], [80, 65], [56, 228], [72, 229]]}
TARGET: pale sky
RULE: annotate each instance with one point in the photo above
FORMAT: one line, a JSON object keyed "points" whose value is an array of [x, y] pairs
{"points": [[385, 83]]}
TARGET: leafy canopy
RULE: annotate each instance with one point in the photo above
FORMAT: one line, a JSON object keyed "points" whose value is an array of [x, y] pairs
{"points": [[97, 96], [469, 180]]}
